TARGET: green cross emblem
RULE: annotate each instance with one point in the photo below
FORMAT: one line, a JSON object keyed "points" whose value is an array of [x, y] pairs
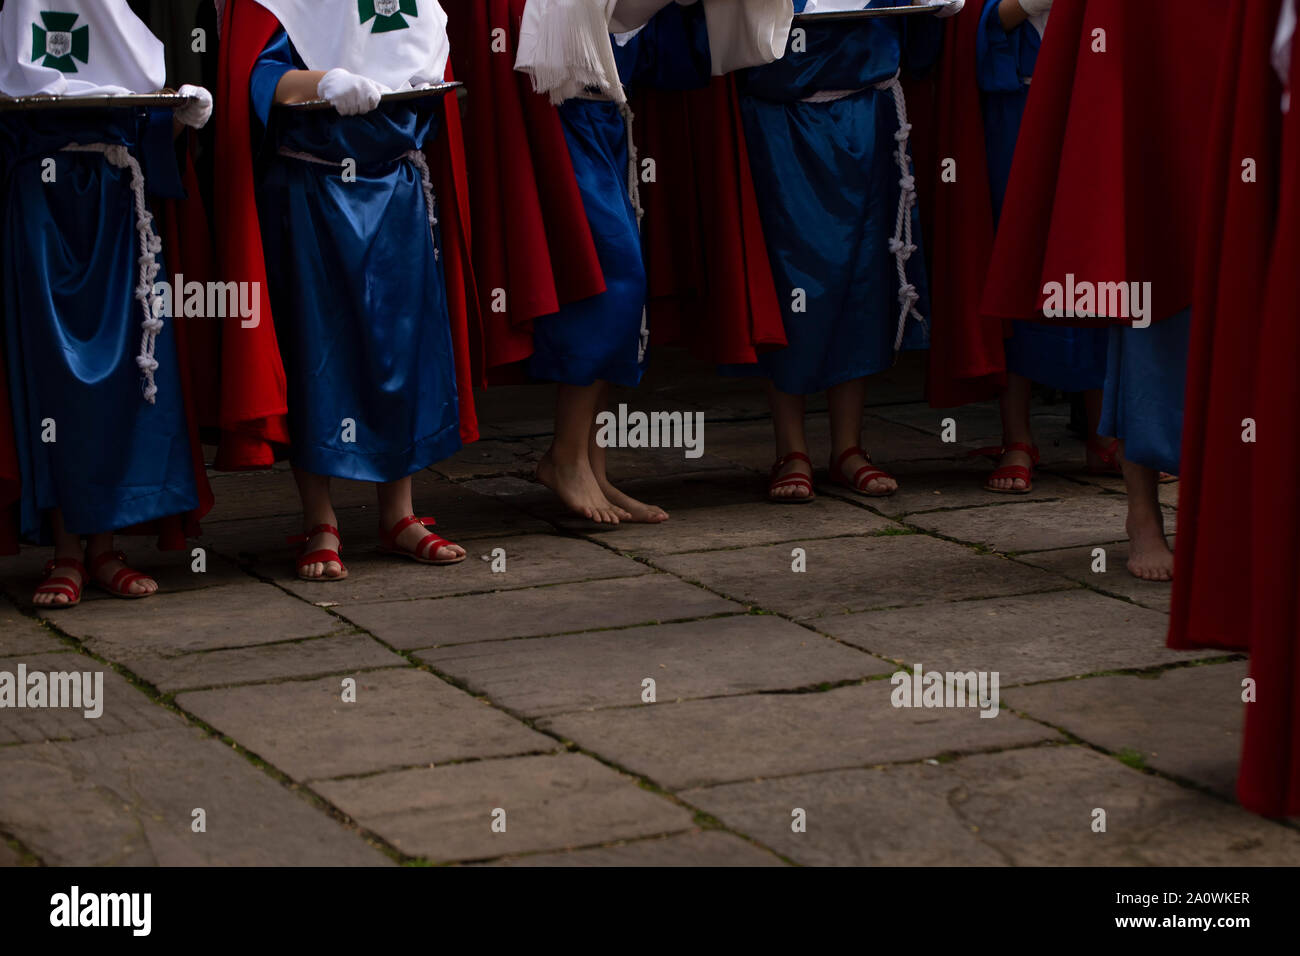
{"points": [[387, 14], [59, 43]]}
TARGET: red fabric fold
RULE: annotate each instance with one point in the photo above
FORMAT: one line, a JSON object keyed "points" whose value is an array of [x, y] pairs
{"points": [[710, 280], [1108, 169], [966, 361], [532, 247], [1212, 572]]}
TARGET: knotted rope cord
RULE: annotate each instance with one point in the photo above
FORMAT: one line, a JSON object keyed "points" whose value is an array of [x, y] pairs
{"points": [[417, 159], [901, 245], [150, 245]]}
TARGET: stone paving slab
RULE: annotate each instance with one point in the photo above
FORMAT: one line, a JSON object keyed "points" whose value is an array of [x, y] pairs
{"points": [[531, 560], [735, 738], [1076, 565], [729, 510], [1030, 807], [733, 655], [263, 494], [1186, 722], [235, 615], [981, 425], [125, 708], [752, 445], [20, 635], [1037, 525], [1031, 638], [855, 574], [980, 422], [534, 612], [505, 456], [935, 485], [1168, 492], [339, 654], [129, 800], [550, 802], [401, 718], [700, 848]]}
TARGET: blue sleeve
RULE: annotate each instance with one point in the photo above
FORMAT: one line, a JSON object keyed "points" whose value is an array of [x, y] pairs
{"points": [[162, 171], [1004, 59], [670, 52], [276, 60]]}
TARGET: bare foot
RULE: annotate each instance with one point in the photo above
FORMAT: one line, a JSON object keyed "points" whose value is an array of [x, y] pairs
{"points": [[105, 572], [1149, 557], [793, 467], [67, 576], [410, 538], [322, 569], [577, 487], [637, 512], [876, 486]]}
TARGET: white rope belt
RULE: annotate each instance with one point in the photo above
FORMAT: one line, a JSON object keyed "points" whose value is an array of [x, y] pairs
{"points": [[901, 244], [417, 159], [150, 245]]}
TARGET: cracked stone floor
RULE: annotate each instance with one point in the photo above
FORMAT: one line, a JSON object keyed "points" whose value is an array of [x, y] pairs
{"points": [[501, 709]]}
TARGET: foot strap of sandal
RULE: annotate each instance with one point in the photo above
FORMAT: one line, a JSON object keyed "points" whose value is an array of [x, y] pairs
{"points": [[65, 587]]}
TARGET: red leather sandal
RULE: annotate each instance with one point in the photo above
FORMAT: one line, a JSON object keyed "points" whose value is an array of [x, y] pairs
{"points": [[1010, 471], [428, 545], [64, 586], [322, 556], [122, 581], [790, 481], [862, 477], [1108, 455]]}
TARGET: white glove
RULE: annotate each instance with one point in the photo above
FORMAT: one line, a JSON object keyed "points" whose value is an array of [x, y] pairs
{"points": [[197, 113], [951, 8], [349, 93], [1035, 8]]}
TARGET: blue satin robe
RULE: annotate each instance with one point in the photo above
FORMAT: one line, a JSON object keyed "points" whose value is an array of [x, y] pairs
{"points": [[1146, 375], [828, 190], [69, 265], [356, 285], [604, 337], [1070, 359]]}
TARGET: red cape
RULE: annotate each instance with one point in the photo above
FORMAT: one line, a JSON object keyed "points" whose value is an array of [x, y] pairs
{"points": [[966, 362], [1237, 574], [183, 227], [1107, 174], [532, 250], [1213, 572], [709, 277], [1269, 782], [253, 414]]}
